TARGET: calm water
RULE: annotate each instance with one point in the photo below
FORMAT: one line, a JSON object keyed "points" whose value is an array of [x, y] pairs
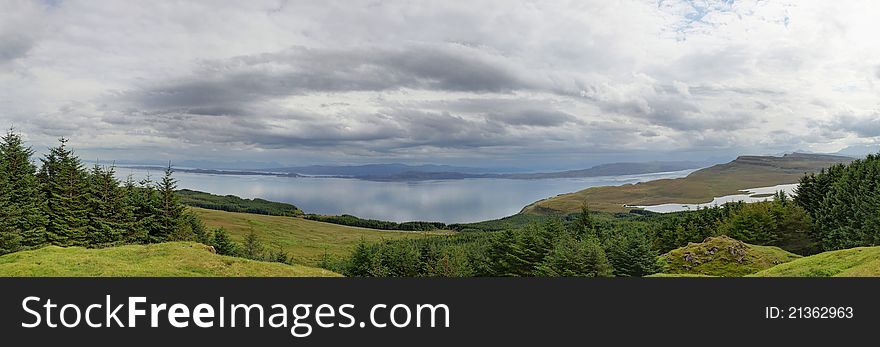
{"points": [[721, 200], [450, 201]]}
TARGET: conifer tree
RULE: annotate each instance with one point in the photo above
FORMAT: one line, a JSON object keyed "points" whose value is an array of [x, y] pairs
{"points": [[571, 257], [498, 262], [65, 188], [223, 244], [253, 248], [10, 237], [197, 228], [361, 262], [144, 203], [584, 222], [132, 194], [109, 215], [23, 213], [170, 210], [632, 254]]}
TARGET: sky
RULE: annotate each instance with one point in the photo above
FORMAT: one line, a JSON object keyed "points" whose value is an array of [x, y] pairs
{"points": [[529, 84]]}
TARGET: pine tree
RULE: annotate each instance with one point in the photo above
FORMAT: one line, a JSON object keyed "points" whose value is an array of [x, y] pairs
{"points": [[170, 209], [109, 216], [584, 222], [130, 194], [65, 188], [632, 254], [23, 213], [143, 201], [196, 227], [223, 244], [10, 237], [361, 262], [571, 257], [253, 248], [501, 254], [452, 262], [844, 203], [280, 256], [398, 259]]}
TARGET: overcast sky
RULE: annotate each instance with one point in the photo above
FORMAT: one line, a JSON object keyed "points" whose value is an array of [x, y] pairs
{"points": [[541, 84]]}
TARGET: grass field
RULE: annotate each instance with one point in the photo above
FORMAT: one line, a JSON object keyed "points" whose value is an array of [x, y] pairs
{"points": [[698, 187], [724, 257], [305, 240], [853, 262], [172, 259]]}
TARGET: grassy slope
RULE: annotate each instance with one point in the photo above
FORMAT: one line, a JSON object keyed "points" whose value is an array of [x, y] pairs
{"points": [[306, 240], [698, 187], [172, 259], [853, 262], [725, 257]]}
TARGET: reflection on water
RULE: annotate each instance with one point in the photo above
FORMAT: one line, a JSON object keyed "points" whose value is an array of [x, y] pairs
{"points": [[450, 201], [748, 197]]}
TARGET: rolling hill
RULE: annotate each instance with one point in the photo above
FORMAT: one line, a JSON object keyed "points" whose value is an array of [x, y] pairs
{"points": [[699, 187], [171, 259], [724, 257], [853, 262], [305, 240], [612, 169]]}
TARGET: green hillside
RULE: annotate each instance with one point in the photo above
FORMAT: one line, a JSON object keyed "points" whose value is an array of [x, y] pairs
{"points": [[699, 187], [170, 259], [723, 256], [853, 262], [305, 240]]}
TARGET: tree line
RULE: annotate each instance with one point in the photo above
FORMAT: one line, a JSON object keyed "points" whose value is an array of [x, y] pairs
{"points": [[63, 203], [779, 222], [232, 203], [576, 248], [350, 220], [844, 203]]}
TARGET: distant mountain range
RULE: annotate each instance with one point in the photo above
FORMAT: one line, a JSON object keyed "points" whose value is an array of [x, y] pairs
{"points": [[859, 151], [403, 172], [613, 169], [380, 170]]}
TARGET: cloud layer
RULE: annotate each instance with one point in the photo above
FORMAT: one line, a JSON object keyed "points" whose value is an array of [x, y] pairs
{"points": [[541, 84]]}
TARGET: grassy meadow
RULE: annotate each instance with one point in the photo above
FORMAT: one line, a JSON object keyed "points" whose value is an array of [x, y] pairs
{"points": [[170, 259], [306, 241], [853, 262]]}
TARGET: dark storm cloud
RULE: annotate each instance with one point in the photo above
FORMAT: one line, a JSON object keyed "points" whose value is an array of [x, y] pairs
{"points": [[506, 111], [228, 86]]}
